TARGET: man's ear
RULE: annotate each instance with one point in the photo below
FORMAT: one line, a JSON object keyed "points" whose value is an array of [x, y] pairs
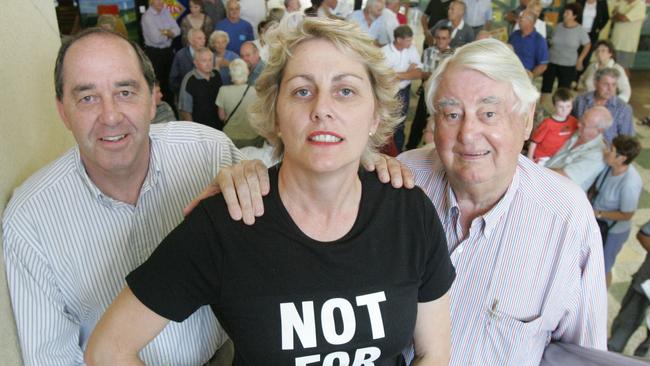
{"points": [[61, 110], [529, 118]]}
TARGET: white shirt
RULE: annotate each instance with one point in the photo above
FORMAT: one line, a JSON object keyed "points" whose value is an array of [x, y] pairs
{"points": [[387, 24], [400, 61], [478, 12], [582, 163], [68, 247]]}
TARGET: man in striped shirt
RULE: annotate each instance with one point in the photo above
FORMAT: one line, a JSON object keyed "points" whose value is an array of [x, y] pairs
{"points": [[75, 229], [523, 240]]}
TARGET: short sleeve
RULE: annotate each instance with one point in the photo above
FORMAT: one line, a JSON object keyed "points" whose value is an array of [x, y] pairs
{"points": [[439, 273], [630, 194], [540, 132], [584, 36], [219, 101], [183, 273]]}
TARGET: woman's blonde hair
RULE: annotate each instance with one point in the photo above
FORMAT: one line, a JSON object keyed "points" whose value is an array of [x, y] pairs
{"points": [[346, 37]]}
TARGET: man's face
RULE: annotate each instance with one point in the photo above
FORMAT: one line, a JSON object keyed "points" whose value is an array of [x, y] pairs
{"points": [[197, 40], [293, 6], [606, 87], [394, 6], [204, 62], [455, 12], [403, 43], [376, 9], [250, 55], [526, 24], [157, 4], [233, 11], [107, 105], [477, 135], [443, 38], [588, 128]]}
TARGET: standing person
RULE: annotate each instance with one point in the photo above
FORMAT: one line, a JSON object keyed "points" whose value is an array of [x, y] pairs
{"points": [[239, 30], [368, 18], [323, 108], [529, 45], [436, 11], [184, 60], [73, 230], [159, 29], [606, 81], [199, 91], [627, 20], [564, 61], [616, 196], [233, 102], [251, 55], [604, 51], [196, 19], [388, 22], [595, 15], [218, 43], [554, 131], [215, 9], [634, 304], [461, 33], [403, 58], [478, 14]]}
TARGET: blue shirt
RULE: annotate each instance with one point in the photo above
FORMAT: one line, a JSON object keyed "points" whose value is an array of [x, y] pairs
{"points": [[239, 33], [621, 112], [532, 49]]}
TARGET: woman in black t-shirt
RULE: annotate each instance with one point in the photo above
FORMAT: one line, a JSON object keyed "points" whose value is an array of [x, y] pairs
{"points": [[341, 267]]}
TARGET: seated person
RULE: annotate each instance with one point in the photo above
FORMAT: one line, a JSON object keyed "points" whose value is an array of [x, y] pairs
{"points": [[324, 109], [554, 131], [581, 157], [199, 91], [164, 113]]}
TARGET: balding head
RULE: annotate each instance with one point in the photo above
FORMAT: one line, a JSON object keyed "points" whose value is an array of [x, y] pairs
{"points": [[250, 54]]}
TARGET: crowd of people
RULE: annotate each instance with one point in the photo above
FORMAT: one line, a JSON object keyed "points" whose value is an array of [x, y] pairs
{"points": [[502, 255]]}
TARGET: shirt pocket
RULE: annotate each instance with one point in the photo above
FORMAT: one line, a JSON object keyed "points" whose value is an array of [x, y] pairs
{"points": [[510, 341]]}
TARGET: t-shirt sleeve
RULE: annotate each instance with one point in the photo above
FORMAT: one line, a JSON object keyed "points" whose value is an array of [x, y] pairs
{"points": [[540, 132], [182, 274], [438, 273]]}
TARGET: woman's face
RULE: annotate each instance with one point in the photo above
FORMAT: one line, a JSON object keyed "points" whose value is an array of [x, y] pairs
{"points": [[603, 55], [612, 158], [220, 44], [568, 16], [195, 8], [325, 108]]}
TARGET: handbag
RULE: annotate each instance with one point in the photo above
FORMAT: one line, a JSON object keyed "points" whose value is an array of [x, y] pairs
{"points": [[592, 193]]}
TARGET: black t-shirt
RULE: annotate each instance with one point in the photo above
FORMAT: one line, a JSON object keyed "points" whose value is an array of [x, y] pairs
{"points": [[436, 10], [287, 299], [204, 94]]}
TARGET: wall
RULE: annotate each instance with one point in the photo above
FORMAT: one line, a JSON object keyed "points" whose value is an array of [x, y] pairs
{"points": [[31, 133]]}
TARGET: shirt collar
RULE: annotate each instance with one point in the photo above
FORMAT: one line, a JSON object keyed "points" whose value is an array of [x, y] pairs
{"points": [[150, 181]]}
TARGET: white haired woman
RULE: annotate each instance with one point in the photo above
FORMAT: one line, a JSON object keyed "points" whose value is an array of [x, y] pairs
{"points": [[341, 267], [218, 42], [233, 102]]}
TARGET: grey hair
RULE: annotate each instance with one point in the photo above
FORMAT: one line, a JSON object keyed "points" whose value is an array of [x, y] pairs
{"points": [[216, 34], [607, 71], [605, 119], [370, 3], [201, 51], [191, 32], [238, 71], [495, 60]]}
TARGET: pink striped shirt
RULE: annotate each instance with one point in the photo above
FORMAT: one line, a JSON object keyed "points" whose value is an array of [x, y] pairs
{"points": [[530, 270]]}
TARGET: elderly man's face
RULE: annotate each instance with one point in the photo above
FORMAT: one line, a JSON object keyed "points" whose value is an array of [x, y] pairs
{"points": [[107, 105], [606, 87], [197, 40], [455, 12], [443, 39], [588, 125], [376, 9], [293, 6], [478, 137], [250, 55], [157, 4], [233, 11]]}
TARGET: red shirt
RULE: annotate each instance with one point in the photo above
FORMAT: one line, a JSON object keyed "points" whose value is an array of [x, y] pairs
{"points": [[401, 19], [551, 135]]}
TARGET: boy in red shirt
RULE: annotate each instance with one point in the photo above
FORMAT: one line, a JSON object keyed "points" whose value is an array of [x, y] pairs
{"points": [[554, 131]]}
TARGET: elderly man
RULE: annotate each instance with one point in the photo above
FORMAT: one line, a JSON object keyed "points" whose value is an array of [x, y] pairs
{"points": [[523, 240], [581, 158], [159, 29], [461, 33], [403, 58], [238, 29], [251, 55], [388, 22], [529, 45], [368, 17], [75, 229], [184, 59], [605, 81], [478, 14], [199, 91]]}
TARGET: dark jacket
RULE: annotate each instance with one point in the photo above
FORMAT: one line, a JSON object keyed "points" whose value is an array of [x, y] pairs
{"points": [[602, 17]]}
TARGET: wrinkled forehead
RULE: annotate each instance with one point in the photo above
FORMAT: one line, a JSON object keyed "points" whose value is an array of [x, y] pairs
{"points": [[452, 90]]}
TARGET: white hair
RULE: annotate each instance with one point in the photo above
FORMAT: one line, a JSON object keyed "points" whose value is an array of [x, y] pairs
{"points": [[238, 71], [495, 60]]}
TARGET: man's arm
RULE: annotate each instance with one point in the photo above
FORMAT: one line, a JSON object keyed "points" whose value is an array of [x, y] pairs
{"points": [[150, 31], [428, 36], [539, 70], [414, 72], [48, 333], [185, 116], [644, 240], [585, 51], [531, 150]]}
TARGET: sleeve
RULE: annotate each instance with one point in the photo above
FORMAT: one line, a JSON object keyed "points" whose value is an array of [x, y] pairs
{"points": [[636, 12], [540, 133], [542, 52], [150, 31], [624, 88], [624, 122], [171, 23], [183, 273], [48, 333], [415, 56], [630, 194], [250, 35], [584, 36], [585, 322], [438, 273], [185, 98], [584, 169], [220, 98], [488, 12]]}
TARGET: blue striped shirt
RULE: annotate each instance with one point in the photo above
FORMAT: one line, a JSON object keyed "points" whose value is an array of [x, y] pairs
{"points": [[529, 271], [68, 247]]}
